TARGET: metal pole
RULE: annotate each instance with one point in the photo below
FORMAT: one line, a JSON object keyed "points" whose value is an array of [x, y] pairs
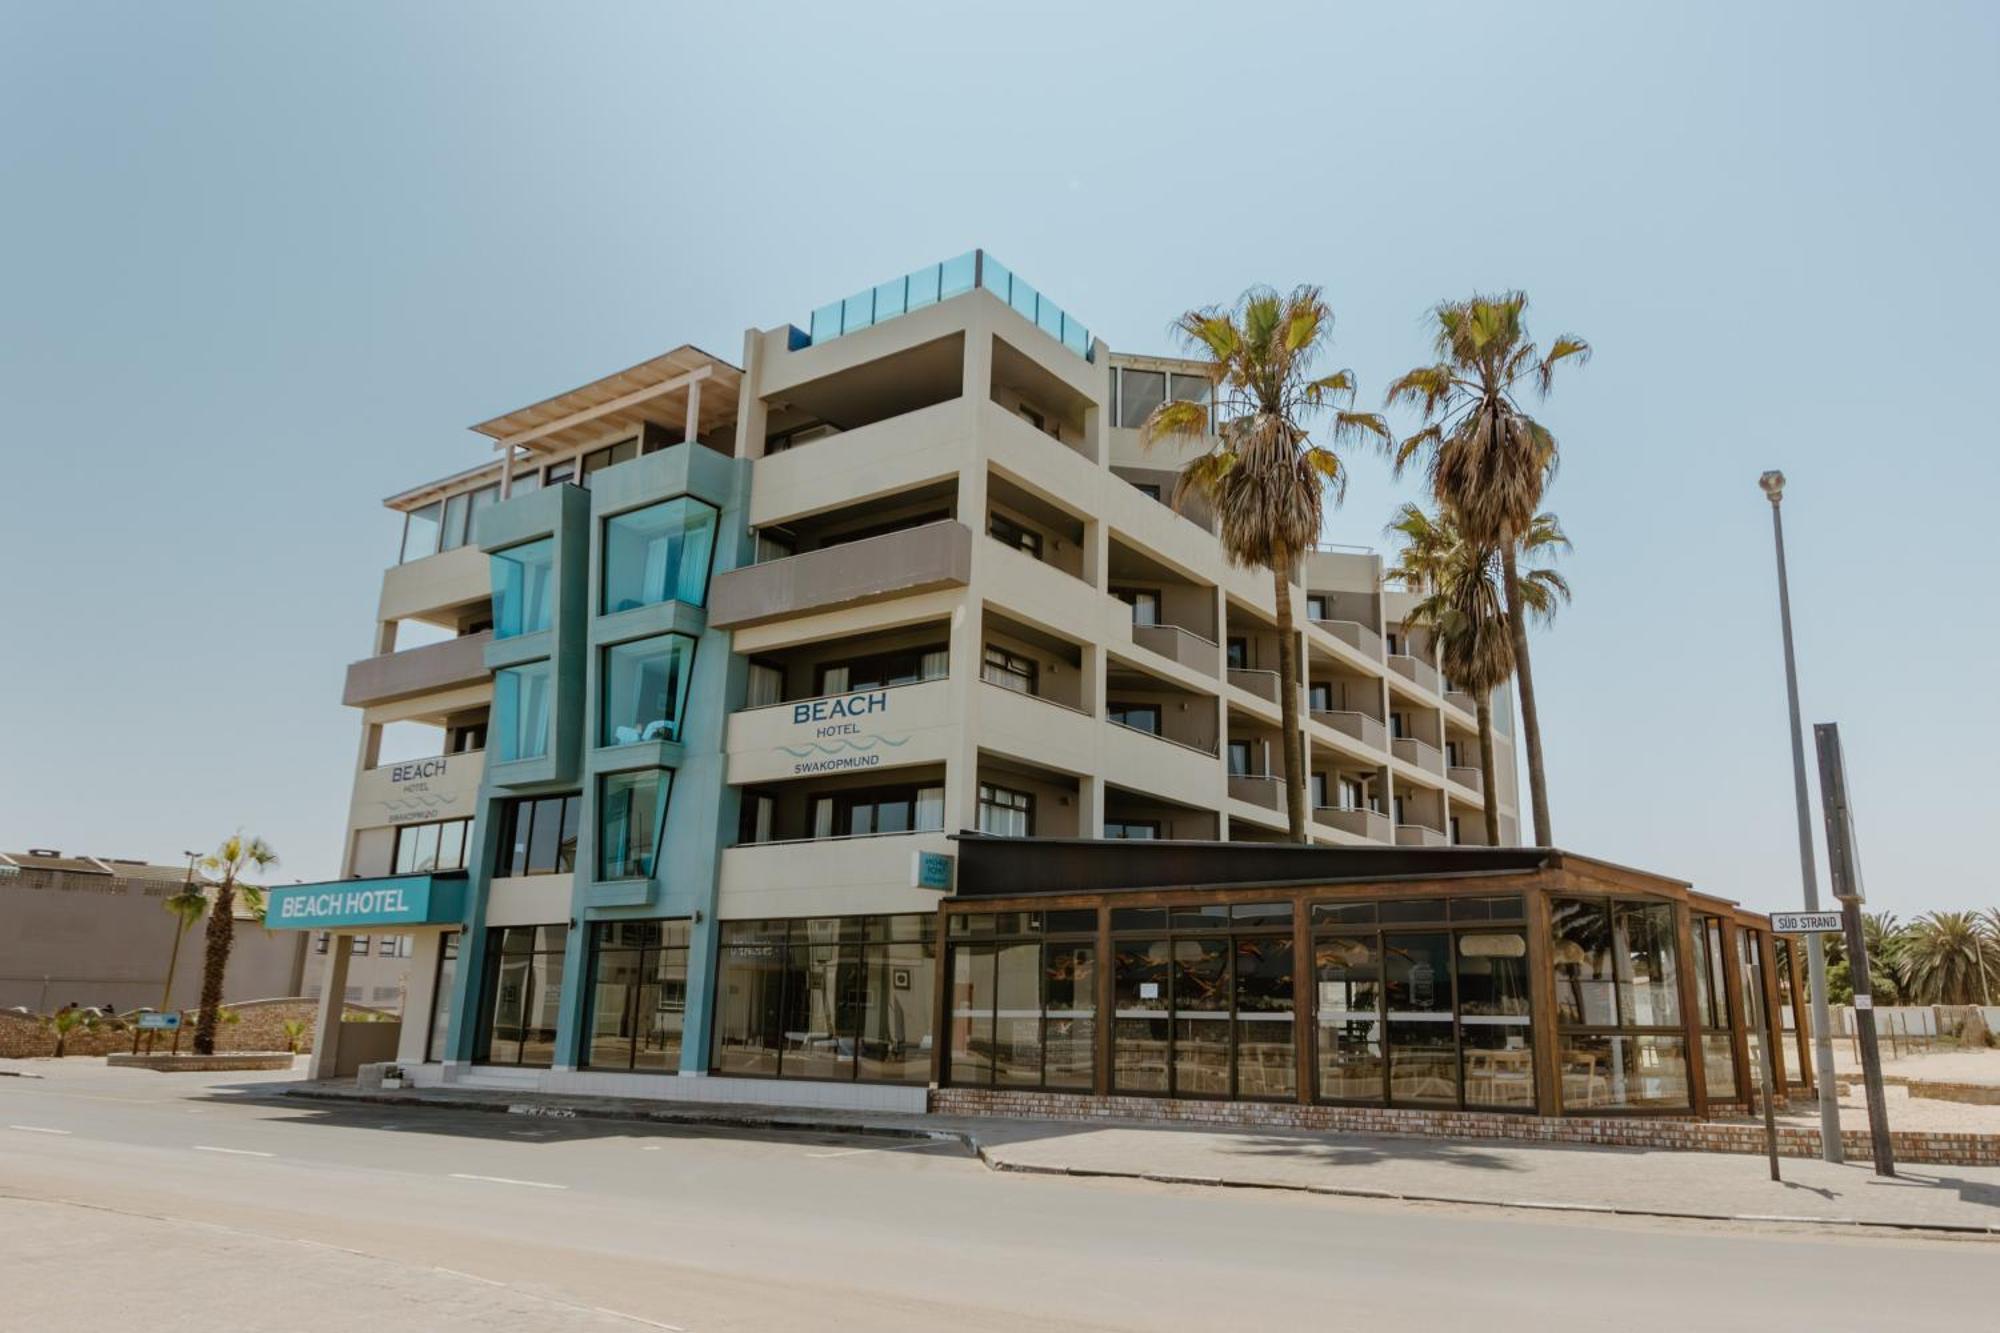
{"points": [[1770, 1094], [1773, 484]]}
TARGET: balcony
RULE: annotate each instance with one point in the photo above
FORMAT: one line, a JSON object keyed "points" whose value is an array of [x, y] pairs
{"points": [[1420, 835], [1467, 777], [1420, 753], [1462, 701], [1355, 635], [1180, 645], [1416, 670], [940, 282], [1369, 731], [1146, 761], [1264, 684], [1035, 728], [1369, 824], [417, 671], [895, 564], [1263, 789]]}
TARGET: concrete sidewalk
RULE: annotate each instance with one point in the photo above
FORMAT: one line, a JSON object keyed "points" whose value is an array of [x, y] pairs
{"points": [[1712, 1186]]}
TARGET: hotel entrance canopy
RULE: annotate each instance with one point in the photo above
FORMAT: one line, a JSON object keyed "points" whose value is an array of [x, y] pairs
{"points": [[390, 900]]}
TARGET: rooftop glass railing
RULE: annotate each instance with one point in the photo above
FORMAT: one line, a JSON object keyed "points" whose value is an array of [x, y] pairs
{"points": [[941, 282]]}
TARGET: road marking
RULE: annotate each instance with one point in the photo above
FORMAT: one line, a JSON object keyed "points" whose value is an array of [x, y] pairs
{"points": [[234, 1152], [651, 1147], [37, 1129], [470, 1277], [508, 1180], [852, 1152], [638, 1319]]}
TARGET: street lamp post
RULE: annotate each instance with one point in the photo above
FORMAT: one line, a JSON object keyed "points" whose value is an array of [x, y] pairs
{"points": [[1773, 484]]}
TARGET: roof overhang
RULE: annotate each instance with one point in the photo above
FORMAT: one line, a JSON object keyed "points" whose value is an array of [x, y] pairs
{"points": [[654, 391]]}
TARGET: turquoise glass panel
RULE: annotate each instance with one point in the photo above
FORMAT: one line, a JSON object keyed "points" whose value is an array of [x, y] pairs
{"points": [[632, 812], [645, 689], [858, 311], [523, 588], [923, 288], [1023, 297], [826, 323], [995, 278], [521, 700], [660, 553], [889, 298]]}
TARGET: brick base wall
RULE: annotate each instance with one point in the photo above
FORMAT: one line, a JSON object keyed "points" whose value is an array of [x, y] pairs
{"points": [[1675, 1135], [260, 1027]]}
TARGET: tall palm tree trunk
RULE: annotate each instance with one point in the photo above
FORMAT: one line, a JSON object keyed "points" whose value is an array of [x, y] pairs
{"points": [[1531, 726], [1489, 787], [215, 965], [1288, 701]]}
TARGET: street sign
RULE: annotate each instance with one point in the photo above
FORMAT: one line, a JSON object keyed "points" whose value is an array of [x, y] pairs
{"points": [[1806, 923], [159, 1022]]}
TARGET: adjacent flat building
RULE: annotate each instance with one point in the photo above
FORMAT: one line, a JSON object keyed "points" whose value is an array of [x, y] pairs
{"points": [[722, 662]]}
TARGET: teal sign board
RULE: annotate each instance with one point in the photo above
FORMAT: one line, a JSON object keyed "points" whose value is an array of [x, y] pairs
{"points": [[933, 870], [401, 900], [159, 1022]]}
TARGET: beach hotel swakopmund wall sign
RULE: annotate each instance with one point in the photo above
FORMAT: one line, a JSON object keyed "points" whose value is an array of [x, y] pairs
{"points": [[832, 733]]}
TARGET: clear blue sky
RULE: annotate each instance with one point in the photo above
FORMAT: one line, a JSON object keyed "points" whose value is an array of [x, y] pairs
{"points": [[260, 265]]}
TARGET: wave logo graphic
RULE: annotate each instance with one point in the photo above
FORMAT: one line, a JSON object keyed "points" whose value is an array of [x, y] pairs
{"points": [[859, 745]]}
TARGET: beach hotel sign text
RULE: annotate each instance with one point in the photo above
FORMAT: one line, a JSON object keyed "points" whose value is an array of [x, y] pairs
{"points": [[830, 739], [401, 900]]}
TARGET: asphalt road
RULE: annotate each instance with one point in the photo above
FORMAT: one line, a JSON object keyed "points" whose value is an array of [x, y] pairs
{"points": [[137, 1200]]}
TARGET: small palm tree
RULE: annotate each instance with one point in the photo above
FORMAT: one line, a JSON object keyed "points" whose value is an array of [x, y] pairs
{"points": [[68, 1023], [1488, 461], [1947, 958], [223, 868], [1463, 607], [295, 1033], [1262, 474]]}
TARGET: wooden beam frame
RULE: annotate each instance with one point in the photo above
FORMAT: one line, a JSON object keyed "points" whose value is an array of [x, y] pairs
{"points": [[618, 404]]}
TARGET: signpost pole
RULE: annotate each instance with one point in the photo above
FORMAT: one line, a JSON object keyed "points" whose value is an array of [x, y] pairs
{"points": [[1770, 1107], [1843, 864]]}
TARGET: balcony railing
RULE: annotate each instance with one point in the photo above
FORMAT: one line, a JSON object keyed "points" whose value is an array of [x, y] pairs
{"points": [[1421, 753], [1415, 669], [1467, 777], [1265, 789], [415, 671], [1363, 823], [1263, 684], [895, 564], [1189, 746], [1462, 701], [1019, 693], [1420, 835], [1369, 731], [1180, 645], [940, 282], [1355, 635]]}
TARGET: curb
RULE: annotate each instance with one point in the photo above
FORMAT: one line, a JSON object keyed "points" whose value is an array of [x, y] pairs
{"points": [[806, 1122]]}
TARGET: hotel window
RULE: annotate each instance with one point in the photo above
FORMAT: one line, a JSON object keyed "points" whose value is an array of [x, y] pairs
{"points": [[764, 685], [447, 974], [1010, 671], [1351, 797], [1135, 830], [420, 532], [1005, 813], [1023, 1010], [561, 473], [1620, 1041], [1711, 998], [658, 554], [358, 945], [1145, 604], [521, 711], [1319, 698], [609, 456], [638, 992], [844, 998], [320, 937], [1396, 731], [631, 820], [1316, 607], [523, 993], [1236, 653], [1395, 643], [393, 946], [1239, 759], [459, 512], [1317, 783], [524, 588], [425, 847], [645, 689], [1009, 533], [1149, 489], [858, 814], [1139, 717], [874, 671], [1139, 392], [538, 835]]}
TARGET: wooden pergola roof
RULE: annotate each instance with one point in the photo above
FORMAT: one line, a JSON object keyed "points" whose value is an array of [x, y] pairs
{"points": [[656, 390]]}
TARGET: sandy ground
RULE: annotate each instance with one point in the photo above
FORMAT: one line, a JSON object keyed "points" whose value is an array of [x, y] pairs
{"points": [[1905, 1111]]}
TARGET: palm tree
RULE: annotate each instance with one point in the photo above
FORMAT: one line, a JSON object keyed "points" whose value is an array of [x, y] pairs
{"points": [[1460, 583], [186, 908], [1262, 473], [223, 868], [69, 1023], [1488, 461], [1946, 958]]}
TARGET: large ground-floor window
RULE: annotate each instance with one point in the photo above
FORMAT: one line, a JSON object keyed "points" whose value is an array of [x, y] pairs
{"points": [[1021, 1000], [1422, 1002], [836, 998], [1620, 1040], [638, 995], [1711, 996], [447, 974], [523, 992]]}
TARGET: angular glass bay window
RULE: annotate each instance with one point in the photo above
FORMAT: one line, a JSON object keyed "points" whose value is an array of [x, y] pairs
{"points": [[631, 818], [658, 554], [521, 699], [645, 689], [524, 588]]}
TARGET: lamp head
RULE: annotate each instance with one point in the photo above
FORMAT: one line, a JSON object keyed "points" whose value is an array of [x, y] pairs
{"points": [[1773, 483]]}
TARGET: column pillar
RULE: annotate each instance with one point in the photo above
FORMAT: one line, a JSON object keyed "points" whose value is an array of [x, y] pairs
{"points": [[332, 1003]]}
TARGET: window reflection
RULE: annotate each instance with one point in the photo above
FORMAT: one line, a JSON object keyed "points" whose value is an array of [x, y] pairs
{"points": [[658, 554], [523, 588]]}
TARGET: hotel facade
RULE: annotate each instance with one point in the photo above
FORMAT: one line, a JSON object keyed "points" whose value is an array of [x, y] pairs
{"points": [[751, 686]]}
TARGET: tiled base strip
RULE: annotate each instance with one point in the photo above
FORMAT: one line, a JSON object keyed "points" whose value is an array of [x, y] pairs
{"points": [[1911, 1146]]}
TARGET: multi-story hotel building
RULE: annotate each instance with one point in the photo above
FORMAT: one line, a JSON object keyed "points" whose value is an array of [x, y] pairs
{"points": [[722, 658]]}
